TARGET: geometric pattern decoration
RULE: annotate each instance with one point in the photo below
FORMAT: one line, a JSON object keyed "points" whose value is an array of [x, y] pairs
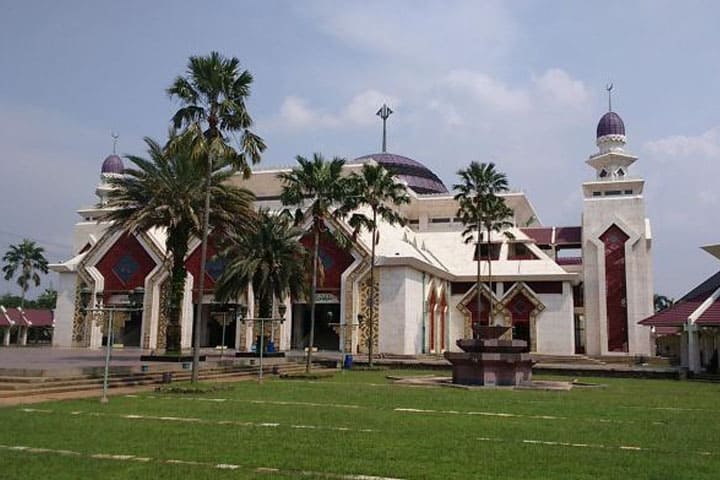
{"points": [[520, 306], [125, 268], [163, 315], [125, 265], [215, 267], [365, 312], [616, 288]]}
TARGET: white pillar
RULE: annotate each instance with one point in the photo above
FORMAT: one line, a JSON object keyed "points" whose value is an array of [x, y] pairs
{"points": [[693, 348], [6, 336], [22, 335]]}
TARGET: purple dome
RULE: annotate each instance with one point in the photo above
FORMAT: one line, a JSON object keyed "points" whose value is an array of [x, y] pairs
{"points": [[610, 124], [113, 164], [418, 177]]}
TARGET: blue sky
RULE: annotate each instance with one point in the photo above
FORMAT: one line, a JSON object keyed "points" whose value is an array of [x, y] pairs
{"points": [[518, 83]]}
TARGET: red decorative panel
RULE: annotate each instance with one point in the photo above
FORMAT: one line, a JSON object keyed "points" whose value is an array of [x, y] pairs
{"points": [[214, 266], [125, 265], [335, 260], [520, 307], [485, 306], [616, 288], [443, 333], [431, 309]]}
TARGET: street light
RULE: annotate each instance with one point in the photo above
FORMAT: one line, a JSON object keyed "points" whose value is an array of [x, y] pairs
{"points": [[242, 311], [344, 329], [134, 304], [225, 309]]}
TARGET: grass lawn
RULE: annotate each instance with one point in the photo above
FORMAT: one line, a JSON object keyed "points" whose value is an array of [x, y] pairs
{"points": [[358, 425]]}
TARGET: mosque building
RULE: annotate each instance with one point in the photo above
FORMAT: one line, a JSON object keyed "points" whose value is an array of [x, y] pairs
{"points": [[564, 289]]}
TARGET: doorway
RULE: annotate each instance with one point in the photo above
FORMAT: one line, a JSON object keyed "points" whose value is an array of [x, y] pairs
{"points": [[325, 336]]}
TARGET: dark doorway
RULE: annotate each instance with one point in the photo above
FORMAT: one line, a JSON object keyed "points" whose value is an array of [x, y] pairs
{"points": [[215, 327], [521, 331], [325, 336], [131, 331]]}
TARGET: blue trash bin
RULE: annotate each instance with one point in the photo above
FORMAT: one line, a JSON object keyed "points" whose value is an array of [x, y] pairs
{"points": [[347, 362]]}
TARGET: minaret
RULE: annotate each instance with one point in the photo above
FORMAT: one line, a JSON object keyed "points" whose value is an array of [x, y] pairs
{"points": [[112, 167], [617, 262]]}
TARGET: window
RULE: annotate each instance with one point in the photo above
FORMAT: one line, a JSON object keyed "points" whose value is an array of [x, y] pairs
{"points": [[603, 173], [628, 192], [620, 172], [597, 194]]}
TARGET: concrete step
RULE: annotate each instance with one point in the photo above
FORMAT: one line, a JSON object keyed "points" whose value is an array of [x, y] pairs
{"points": [[706, 377], [238, 373]]}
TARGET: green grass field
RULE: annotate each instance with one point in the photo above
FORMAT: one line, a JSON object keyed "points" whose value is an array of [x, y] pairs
{"points": [[357, 425]]}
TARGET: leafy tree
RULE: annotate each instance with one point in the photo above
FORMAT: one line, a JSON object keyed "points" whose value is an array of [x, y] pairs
{"points": [[213, 93], [268, 256], [47, 299], [27, 261], [480, 209], [318, 188], [167, 190], [377, 189], [661, 302]]}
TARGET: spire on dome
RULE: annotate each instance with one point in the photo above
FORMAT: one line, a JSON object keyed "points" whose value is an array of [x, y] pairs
{"points": [[384, 113]]}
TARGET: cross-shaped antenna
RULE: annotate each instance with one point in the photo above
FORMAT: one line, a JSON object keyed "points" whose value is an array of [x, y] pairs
{"points": [[115, 137], [384, 113], [609, 89]]}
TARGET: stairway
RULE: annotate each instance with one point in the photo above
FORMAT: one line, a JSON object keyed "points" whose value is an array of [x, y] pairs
{"points": [[30, 386]]}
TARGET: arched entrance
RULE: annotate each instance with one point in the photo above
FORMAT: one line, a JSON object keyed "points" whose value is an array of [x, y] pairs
{"points": [[334, 260]]}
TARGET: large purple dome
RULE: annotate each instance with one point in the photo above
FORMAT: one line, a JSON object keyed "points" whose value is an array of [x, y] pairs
{"points": [[113, 165], [418, 177], [610, 124]]}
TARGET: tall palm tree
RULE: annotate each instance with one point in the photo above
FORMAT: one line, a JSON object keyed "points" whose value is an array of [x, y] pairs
{"points": [[212, 94], [377, 189], [318, 188], [479, 208], [27, 258], [268, 256], [167, 190]]}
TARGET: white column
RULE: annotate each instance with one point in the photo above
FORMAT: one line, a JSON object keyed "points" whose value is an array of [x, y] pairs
{"points": [[6, 336], [22, 335], [693, 348]]}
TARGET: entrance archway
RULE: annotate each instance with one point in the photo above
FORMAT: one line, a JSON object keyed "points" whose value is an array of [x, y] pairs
{"points": [[326, 338]]}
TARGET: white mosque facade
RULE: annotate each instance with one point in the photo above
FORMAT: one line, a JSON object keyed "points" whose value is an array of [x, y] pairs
{"points": [[565, 290]]}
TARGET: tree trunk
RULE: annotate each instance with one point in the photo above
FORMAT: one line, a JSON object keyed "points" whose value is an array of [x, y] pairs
{"points": [[316, 254], [177, 285], [477, 285], [201, 283], [371, 297], [492, 290]]}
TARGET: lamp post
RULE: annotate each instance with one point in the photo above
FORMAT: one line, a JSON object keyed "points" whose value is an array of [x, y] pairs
{"points": [[226, 308], [346, 329], [242, 311], [134, 304]]}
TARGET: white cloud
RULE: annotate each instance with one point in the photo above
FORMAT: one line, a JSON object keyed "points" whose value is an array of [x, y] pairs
{"points": [[487, 90], [704, 145], [296, 113], [558, 86]]}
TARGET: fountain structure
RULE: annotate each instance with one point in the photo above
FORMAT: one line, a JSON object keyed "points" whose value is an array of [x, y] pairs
{"points": [[488, 359]]}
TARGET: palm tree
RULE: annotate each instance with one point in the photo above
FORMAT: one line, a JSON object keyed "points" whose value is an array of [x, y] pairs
{"points": [[213, 94], [315, 186], [377, 189], [269, 257], [28, 259], [479, 208], [662, 302], [168, 191]]}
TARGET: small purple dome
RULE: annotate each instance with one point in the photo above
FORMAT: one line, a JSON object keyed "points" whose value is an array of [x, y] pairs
{"points": [[113, 164], [610, 124], [418, 177]]}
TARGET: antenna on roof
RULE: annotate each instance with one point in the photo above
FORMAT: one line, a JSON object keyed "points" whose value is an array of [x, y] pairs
{"points": [[115, 137], [609, 89], [384, 113]]}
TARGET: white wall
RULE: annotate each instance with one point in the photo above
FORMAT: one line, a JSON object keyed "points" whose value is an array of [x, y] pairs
{"points": [[555, 324], [65, 310]]}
